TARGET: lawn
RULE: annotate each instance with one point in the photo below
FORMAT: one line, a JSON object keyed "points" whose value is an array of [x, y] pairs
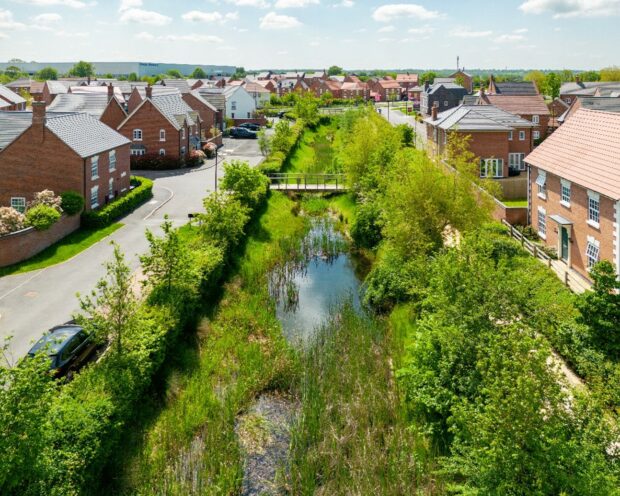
{"points": [[522, 202], [61, 251], [314, 155]]}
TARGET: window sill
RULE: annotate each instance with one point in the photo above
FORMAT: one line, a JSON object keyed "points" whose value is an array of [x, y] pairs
{"points": [[594, 224], [123, 174], [96, 178], [565, 204], [542, 235], [93, 207], [162, 140], [542, 197], [137, 139], [112, 170]]}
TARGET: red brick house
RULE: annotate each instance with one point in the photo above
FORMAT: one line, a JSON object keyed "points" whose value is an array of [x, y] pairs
{"points": [[500, 139], [9, 100], [529, 107], [574, 190], [353, 90], [321, 86], [138, 94], [407, 81], [60, 152], [164, 125], [384, 90], [464, 79], [209, 115]]}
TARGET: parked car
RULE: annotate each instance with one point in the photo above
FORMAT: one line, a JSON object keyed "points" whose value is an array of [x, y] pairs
{"points": [[241, 132], [67, 345], [250, 125]]}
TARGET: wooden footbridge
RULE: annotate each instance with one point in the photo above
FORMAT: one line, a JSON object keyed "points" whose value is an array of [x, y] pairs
{"points": [[308, 182]]}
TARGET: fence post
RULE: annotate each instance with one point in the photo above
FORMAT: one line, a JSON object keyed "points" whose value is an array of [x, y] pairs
{"points": [[535, 251], [549, 262], [566, 278], [512, 231]]}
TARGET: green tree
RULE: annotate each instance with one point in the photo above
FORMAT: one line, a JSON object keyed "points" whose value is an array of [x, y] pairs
{"points": [[334, 70], [567, 76], [110, 309], [239, 73], [280, 141], [13, 72], [590, 76], [553, 84], [460, 80], [538, 78], [600, 308], [199, 73], [47, 73], [307, 108], [247, 185], [174, 73], [610, 73], [82, 69], [132, 77], [428, 77], [224, 220], [264, 142]]}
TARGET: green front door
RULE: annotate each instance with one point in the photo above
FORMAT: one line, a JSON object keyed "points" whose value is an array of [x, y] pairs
{"points": [[564, 241]]}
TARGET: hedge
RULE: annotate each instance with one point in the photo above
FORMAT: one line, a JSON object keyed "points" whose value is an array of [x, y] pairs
{"points": [[142, 191], [276, 160]]}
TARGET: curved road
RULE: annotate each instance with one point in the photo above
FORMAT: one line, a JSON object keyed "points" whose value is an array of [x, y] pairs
{"points": [[33, 302]]}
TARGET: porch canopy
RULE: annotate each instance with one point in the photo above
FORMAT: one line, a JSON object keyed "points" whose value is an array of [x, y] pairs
{"points": [[561, 220]]}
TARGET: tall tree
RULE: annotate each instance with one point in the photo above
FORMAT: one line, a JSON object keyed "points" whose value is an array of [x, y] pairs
{"points": [[82, 69], [334, 70], [538, 78], [174, 73], [553, 84], [199, 73], [132, 77], [47, 73], [610, 73]]}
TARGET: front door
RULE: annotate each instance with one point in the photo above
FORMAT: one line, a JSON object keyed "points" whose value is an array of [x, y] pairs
{"points": [[564, 243]]}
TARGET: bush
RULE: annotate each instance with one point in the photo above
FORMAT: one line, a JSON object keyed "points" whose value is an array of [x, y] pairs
{"points": [[248, 185], [48, 198], [365, 230], [42, 217], [11, 220], [154, 161], [71, 202], [121, 205], [195, 158]]}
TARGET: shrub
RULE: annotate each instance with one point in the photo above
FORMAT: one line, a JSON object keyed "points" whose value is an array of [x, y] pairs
{"points": [[42, 216], [121, 205], [195, 158], [72, 202], [11, 220], [210, 149], [46, 197], [154, 161], [248, 185], [365, 230]]}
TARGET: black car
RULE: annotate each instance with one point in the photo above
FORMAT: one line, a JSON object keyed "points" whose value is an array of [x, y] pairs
{"points": [[68, 347], [250, 125], [241, 132]]}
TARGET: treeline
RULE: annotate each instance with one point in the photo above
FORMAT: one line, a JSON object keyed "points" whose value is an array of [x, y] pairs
{"points": [[477, 317], [56, 437]]}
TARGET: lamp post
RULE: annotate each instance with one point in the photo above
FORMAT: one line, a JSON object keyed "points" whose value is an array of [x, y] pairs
{"points": [[216, 149]]}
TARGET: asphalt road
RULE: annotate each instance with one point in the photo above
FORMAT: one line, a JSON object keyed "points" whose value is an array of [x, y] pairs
{"points": [[396, 117], [33, 302]]}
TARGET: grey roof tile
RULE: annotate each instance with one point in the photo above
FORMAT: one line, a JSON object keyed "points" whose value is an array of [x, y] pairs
{"points": [[10, 95]]}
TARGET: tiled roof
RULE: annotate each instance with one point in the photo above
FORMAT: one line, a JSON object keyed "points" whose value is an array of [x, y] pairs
{"points": [[444, 80], [352, 87], [181, 84], [11, 96], [478, 118], [157, 91], [585, 88], [36, 87], [388, 84], [83, 133], [59, 87], [516, 89], [585, 150], [196, 94], [255, 88], [174, 108], [214, 96], [92, 104], [521, 105], [97, 90], [606, 104], [407, 78], [449, 86]]}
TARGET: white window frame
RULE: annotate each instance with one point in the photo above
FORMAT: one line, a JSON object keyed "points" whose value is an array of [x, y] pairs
{"points": [[521, 135], [137, 135], [510, 135], [182, 150], [112, 160], [162, 135], [542, 223], [94, 167], [162, 152], [541, 181], [18, 203], [594, 209], [593, 252], [495, 164], [535, 119], [183, 133], [233, 105], [446, 103], [94, 197], [111, 188], [536, 135], [516, 161], [565, 192], [138, 152]]}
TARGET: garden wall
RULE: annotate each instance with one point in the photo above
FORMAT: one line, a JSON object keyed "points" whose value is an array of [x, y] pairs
{"points": [[21, 245], [261, 121], [516, 216]]}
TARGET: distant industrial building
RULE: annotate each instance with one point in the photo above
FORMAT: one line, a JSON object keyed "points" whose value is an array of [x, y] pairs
{"points": [[125, 68]]}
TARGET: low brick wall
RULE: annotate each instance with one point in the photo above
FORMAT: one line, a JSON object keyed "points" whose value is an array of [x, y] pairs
{"points": [[517, 216], [515, 187], [261, 121], [21, 245]]}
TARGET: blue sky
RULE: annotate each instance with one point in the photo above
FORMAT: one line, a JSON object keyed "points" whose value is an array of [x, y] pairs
{"points": [[292, 34]]}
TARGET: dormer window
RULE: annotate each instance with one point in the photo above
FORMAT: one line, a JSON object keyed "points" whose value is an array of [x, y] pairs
{"points": [[536, 119]]}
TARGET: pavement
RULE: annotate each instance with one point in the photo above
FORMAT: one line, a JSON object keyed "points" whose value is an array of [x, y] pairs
{"points": [[33, 302], [396, 117]]}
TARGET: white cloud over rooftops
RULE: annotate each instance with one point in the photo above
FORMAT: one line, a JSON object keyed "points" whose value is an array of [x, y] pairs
{"points": [[278, 21], [391, 12], [141, 16], [572, 8]]}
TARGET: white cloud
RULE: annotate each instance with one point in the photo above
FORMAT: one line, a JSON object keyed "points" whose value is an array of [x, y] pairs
{"points": [[195, 38], [129, 4], [521, 31], [141, 16], [144, 36], [390, 12], [261, 4], [468, 33], [50, 18], [386, 29], [345, 3], [509, 38], [572, 8], [231, 16], [74, 4], [71, 34], [198, 16], [3, 36], [292, 4], [7, 21], [277, 21], [422, 30]]}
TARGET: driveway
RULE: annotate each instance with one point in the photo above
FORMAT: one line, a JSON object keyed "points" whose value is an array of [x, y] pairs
{"points": [[33, 302]]}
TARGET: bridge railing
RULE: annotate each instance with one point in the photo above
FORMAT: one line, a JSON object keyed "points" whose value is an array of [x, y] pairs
{"points": [[303, 182]]}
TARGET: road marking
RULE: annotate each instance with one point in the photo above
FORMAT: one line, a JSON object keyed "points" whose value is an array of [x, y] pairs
{"points": [[153, 202], [24, 283], [163, 203]]}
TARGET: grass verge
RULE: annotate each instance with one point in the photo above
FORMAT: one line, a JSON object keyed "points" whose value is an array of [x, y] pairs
{"points": [[63, 250], [189, 445], [515, 203], [314, 154]]}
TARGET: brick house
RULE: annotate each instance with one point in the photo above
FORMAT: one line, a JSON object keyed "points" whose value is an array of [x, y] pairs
{"points": [[569, 92], [53, 88], [260, 94], [529, 107], [163, 125], [407, 81], [557, 108], [352, 90], [180, 84], [500, 140], [443, 95], [509, 88], [9, 100], [138, 94], [102, 106], [466, 79], [60, 152], [574, 190], [603, 103], [384, 90], [321, 86], [209, 115]]}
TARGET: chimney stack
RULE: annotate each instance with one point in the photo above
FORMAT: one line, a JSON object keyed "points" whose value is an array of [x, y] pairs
{"points": [[88, 80], [434, 111], [149, 91], [110, 91], [38, 121], [426, 86]]}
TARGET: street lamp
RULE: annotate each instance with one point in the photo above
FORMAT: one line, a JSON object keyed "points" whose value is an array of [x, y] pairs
{"points": [[216, 149]]}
